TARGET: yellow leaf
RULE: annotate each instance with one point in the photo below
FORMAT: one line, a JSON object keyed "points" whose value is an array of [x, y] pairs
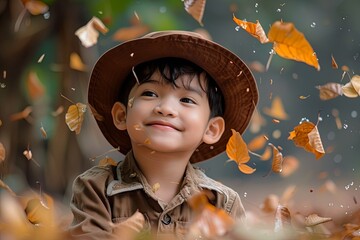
{"points": [[107, 161], [291, 44], [246, 169], [236, 148], [255, 29], [277, 109], [257, 143], [196, 9], [75, 117], [76, 62], [39, 212]]}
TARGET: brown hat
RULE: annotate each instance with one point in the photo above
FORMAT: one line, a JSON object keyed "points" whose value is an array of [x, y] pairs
{"points": [[229, 71]]}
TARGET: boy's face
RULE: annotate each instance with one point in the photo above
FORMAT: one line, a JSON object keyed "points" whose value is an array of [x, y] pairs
{"points": [[165, 118]]}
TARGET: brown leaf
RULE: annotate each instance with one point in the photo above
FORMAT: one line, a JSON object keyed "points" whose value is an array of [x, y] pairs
{"points": [[282, 219], [291, 44], [75, 117], [314, 219], [330, 90], [306, 135], [35, 7], [270, 203], [76, 62], [34, 86], [89, 33], [2, 153], [237, 151], [209, 221], [125, 34], [196, 9], [277, 109], [255, 29], [333, 62], [257, 143], [277, 160], [352, 88], [257, 121]]}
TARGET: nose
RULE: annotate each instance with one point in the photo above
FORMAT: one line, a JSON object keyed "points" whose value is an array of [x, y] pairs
{"points": [[166, 107]]}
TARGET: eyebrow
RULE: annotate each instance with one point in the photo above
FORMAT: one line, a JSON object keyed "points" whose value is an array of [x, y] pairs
{"points": [[198, 91]]}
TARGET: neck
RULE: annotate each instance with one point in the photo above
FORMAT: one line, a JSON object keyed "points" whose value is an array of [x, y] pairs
{"points": [[163, 170]]}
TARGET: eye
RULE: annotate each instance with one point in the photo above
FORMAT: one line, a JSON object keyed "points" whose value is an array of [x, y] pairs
{"points": [[187, 100], [149, 94]]}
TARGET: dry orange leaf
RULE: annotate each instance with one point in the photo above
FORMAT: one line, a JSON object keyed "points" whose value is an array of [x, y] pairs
{"points": [[76, 62], [314, 219], [267, 154], [40, 210], [125, 34], [196, 9], [2, 152], [291, 44], [306, 135], [333, 62], [255, 29], [277, 160], [352, 88], [35, 7], [277, 109], [290, 165], [330, 90], [270, 203], [257, 143], [75, 117], [89, 33], [34, 86], [237, 151], [209, 221], [107, 161]]}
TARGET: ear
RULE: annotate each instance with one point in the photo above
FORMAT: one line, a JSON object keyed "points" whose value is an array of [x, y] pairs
{"points": [[214, 131], [118, 113]]}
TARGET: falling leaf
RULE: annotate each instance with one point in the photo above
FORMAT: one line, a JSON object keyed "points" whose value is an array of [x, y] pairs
{"points": [[58, 111], [2, 153], [237, 151], [40, 210], [291, 44], [34, 86], [257, 121], [277, 160], [330, 90], [209, 221], [196, 9], [333, 62], [282, 219], [270, 203], [306, 135], [35, 7], [155, 187], [290, 165], [314, 219], [89, 33], [76, 63], [277, 109], [287, 195], [257, 143], [352, 88], [267, 154], [128, 33], [43, 132], [21, 115], [107, 161], [75, 117], [257, 66], [255, 29], [329, 186]]}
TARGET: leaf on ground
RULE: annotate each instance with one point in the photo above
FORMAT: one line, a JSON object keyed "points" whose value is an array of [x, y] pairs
{"points": [[75, 117], [196, 9], [89, 33], [277, 109], [254, 29], [330, 90], [306, 135], [291, 44], [237, 151]]}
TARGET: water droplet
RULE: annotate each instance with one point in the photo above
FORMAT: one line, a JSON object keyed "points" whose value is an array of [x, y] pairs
{"points": [[256, 4], [278, 10], [254, 51], [320, 119], [237, 28], [245, 194], [313, 25], [354, 114], [345, 126], [304, 119], [256, 11]]}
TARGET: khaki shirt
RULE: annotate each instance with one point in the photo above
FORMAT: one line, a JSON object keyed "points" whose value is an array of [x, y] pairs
{"points": [[106, 194]]}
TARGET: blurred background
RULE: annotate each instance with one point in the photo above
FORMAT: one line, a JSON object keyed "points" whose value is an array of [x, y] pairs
{"points": [[40, 46]]}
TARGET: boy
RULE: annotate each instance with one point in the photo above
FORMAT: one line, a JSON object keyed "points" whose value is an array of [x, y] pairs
{"points": [[165, 100]]}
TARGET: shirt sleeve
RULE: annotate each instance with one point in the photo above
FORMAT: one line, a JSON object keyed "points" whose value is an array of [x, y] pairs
{"points": [[90, 206], [237, 210]]}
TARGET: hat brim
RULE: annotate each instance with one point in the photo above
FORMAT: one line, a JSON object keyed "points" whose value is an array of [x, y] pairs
{"points": [[231, 74]]}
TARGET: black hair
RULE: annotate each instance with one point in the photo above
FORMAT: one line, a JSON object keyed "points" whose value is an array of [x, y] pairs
{"points": [[170, 70]]}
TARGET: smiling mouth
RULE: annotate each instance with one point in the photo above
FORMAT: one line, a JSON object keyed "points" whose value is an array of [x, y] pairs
{"points": [[162, 125]]}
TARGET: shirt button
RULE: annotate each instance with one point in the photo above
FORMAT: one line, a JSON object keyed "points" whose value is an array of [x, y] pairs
{"points": [[166, 219]]}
